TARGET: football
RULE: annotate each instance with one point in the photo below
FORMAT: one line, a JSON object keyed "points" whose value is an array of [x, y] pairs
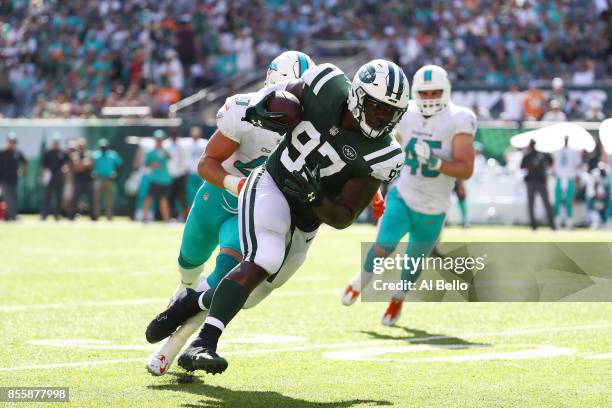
{"points": [[288, 104]]}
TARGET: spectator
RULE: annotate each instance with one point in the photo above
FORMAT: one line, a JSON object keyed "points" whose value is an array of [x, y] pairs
{"points": [[54, 167], [536, 163], [107, 165], [594, 113], [558, 94], [554, 114], [160, 181], [195, 150], [513, 104], [585, 73], [164, 97], [534, 102], [178, 166], [81, 164], [12, 166]]}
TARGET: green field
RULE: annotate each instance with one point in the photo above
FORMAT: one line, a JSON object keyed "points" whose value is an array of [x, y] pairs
{"points": [[76, 298]]}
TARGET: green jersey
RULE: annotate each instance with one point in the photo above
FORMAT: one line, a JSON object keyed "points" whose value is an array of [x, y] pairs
{"points": [[320, 140]]}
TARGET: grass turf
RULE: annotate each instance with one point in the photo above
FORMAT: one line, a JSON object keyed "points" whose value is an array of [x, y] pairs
{"points": [[100, 284]]}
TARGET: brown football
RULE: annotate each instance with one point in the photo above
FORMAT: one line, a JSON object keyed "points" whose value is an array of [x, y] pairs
{"points": [[288, 104]]}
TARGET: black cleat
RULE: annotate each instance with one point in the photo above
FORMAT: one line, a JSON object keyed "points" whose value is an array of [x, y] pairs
{"points": [[170, 319], [198, 357]]}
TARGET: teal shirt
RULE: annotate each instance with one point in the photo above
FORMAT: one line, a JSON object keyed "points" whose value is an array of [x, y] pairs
{"points": [[106, 163], [159, 175]]}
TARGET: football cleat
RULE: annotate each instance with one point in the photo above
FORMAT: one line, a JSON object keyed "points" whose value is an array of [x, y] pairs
{"points": [[158, 364], [393, 313], [349, 296], [199, 357], [161, 360], [166, 323]]}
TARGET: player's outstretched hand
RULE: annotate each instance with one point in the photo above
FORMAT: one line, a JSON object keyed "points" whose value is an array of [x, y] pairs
{"points": [[259, 116], [307, 190]]}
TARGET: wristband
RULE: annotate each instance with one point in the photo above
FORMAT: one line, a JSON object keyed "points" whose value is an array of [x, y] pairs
{"points": [[231, 183]]}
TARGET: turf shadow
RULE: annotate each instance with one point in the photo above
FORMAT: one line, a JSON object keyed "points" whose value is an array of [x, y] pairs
{"points": [[417, 336], [226, 397]]}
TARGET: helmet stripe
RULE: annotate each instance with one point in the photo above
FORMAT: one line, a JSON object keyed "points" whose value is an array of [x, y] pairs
{"points": [[303, 63], [400, 88], [391, 82], [427, 75]]}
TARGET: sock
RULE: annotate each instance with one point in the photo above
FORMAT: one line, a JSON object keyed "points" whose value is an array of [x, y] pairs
{"points": [[368, 264], [229, 298], [205, 299], [189, 272], [224, 263], [463, 210]]}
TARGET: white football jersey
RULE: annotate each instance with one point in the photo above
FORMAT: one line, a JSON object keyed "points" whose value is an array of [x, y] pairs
{"points": [[565, 163], [255, 144], [424, 190]]}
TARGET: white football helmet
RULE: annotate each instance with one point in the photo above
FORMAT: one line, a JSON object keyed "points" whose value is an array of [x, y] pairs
{"points": [[287, 66], [431, 78], [378, 97]]}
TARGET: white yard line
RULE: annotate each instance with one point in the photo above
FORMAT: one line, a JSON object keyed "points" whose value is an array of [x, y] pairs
{"points": [[144, 301], [325, 346]]}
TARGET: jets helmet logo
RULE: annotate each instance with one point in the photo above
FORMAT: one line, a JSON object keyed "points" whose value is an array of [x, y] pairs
{"points": [[367, 74]]}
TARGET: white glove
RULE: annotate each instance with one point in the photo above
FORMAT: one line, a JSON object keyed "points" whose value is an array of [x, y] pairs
{"points": [[422, 151], [425, 156]]}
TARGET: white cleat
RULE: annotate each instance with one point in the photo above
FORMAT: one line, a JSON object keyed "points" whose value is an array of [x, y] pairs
{"points": [[160, 361], [158, 364], [349, 296]]}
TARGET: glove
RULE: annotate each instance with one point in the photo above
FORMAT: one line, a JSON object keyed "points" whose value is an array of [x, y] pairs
{"points": [[259, 116], [308, 191], [378, 206], [425, 156]]}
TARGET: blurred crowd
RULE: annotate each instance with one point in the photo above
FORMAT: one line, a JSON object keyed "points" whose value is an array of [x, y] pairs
{"points": [[71, 58], [534, 104]]}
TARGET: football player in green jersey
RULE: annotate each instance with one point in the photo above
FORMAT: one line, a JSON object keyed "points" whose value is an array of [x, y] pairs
{"points": [[326, 170]]}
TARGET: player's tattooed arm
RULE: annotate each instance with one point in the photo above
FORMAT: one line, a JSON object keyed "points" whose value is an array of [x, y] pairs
{"points": [[462, 164], [218, 149], [355, 196]]}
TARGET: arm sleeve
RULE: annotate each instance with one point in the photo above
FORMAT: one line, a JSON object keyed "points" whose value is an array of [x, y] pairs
{"points": [[466, 123], [387, 166]]}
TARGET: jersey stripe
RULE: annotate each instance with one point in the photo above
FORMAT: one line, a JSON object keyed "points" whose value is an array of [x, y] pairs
{"points": [[391, 82], [382, 152], [388, 156], [322, 81], [318, 76]]}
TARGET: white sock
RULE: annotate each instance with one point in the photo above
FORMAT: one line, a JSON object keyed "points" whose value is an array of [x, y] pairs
{"points": [[400, 295], [189, 277], [362, 279]]}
